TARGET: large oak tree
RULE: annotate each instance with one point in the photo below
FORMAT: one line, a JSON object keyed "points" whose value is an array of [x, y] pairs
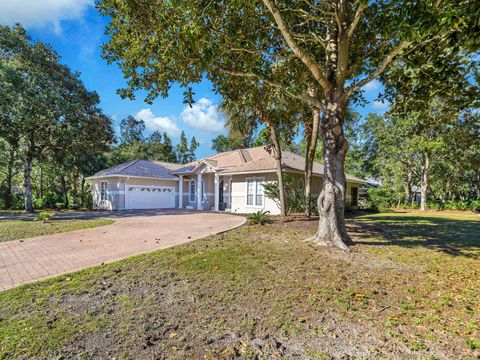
{"points": [[319, 52]]}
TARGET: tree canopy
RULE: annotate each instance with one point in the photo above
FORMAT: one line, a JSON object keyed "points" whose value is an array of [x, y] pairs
{"points": [[320, 53]]}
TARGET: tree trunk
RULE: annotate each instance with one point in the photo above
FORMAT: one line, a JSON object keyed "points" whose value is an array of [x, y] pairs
{"points": [[277, 154], [41, 178], [408, 186], [64, 190], [82, 189], [27, 181], [311, 139], [448, 192], [331, 202], [75, 177], [8, 191], [424, 183]]}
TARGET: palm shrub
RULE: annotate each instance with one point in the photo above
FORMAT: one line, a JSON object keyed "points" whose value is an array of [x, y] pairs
{"points": [[259, 218], [473, 205], [45, 216]]}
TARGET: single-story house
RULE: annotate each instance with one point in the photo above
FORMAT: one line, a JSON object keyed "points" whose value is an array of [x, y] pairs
{"points": [[230, 181]]}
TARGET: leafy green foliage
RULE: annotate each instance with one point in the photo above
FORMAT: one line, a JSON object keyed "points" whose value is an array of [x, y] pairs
{"points": [[382, 198], [259, 217], [473, 205], [294, 196], [224, 143], [186, 153], [131, 130], [45, 216], [47, 115]]}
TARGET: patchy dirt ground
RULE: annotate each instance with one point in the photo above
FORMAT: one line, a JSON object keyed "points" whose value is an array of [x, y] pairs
{"points": [[409, 289]]}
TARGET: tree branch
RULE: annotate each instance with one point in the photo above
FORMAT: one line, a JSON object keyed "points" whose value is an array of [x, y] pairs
{"points": [[356, 19], [306, 58], [383, 66], [305, 98]]}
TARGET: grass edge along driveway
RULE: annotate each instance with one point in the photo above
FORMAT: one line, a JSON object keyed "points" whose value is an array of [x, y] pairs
{"points": [[15, 229]]}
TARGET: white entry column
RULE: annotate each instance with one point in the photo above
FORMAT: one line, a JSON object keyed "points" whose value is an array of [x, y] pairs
{"points": [[180, 192], [199, 191], [216, 192]]}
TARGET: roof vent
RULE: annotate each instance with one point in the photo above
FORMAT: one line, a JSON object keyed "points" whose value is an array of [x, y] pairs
{"points": [[245, 155]]}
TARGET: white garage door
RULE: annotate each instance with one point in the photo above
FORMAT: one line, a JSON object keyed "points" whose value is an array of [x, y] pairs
{"points": [[150, 197]]}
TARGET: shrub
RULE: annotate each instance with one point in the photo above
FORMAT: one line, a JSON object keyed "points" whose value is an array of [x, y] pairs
{"points": [[294, 197], [48, 200], [381, 198], [87, 199], [260, 217], [464, 205], [45, 216], [475, 205]]}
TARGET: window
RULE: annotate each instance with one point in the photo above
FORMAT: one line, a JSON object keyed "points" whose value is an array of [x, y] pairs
{"points": [[103, 190], [192, 190], [300, 184], [354, 193], [254, 192]]}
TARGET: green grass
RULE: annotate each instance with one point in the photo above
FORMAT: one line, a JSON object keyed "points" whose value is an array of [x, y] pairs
{"points": [[28, 227], [455, 233], [9, 211], [408, 289]]}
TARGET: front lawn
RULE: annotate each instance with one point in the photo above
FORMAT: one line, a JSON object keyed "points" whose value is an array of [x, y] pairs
{"points": [[409, 289], [28, 227]]}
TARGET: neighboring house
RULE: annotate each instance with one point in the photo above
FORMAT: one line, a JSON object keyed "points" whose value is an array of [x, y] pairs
{"points": [[230, 181]]}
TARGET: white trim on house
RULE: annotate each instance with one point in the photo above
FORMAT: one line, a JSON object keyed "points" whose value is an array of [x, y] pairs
{"points": [[129, 177], [257, 180], [221, 173], [294, 171]]}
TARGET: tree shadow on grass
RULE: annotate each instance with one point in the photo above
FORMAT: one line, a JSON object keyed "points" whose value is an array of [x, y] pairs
{"points": [[456, 237]]}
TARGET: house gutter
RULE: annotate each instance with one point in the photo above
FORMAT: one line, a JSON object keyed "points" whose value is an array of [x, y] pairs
{"points": [[129, 177]]}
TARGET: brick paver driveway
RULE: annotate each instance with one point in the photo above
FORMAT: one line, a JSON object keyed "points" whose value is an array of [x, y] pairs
{"points": [[40, 257]]}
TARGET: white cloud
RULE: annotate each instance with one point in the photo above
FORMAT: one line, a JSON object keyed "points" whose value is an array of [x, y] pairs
{"points": [[203, 115], [372, 85], [41, 13], [378, 105], [160, 123]]}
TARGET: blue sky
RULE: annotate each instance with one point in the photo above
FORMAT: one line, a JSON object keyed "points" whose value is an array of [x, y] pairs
{"points": [[76, 31]]}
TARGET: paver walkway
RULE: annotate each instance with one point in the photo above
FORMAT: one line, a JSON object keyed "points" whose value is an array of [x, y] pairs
{"points": [[27, 260]]}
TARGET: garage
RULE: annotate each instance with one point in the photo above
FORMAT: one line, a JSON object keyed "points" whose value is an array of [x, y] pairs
{"points": [[149, 197]]}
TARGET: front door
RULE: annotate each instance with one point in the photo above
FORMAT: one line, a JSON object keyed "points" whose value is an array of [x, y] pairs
{"points": [[220, 196]]}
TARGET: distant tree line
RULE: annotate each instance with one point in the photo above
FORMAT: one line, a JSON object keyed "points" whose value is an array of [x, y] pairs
{"points": [[53, 134], [132, 145]]}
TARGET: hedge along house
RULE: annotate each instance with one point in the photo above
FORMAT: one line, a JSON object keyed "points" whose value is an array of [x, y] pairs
{"points": [[230, 181]]}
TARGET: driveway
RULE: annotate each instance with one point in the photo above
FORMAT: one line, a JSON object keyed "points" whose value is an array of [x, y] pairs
{"points": [[32, 259]]}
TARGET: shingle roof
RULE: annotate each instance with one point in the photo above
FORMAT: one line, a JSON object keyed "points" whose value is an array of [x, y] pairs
{"points": [[141, 168], [235, 161], [263, 160]]}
